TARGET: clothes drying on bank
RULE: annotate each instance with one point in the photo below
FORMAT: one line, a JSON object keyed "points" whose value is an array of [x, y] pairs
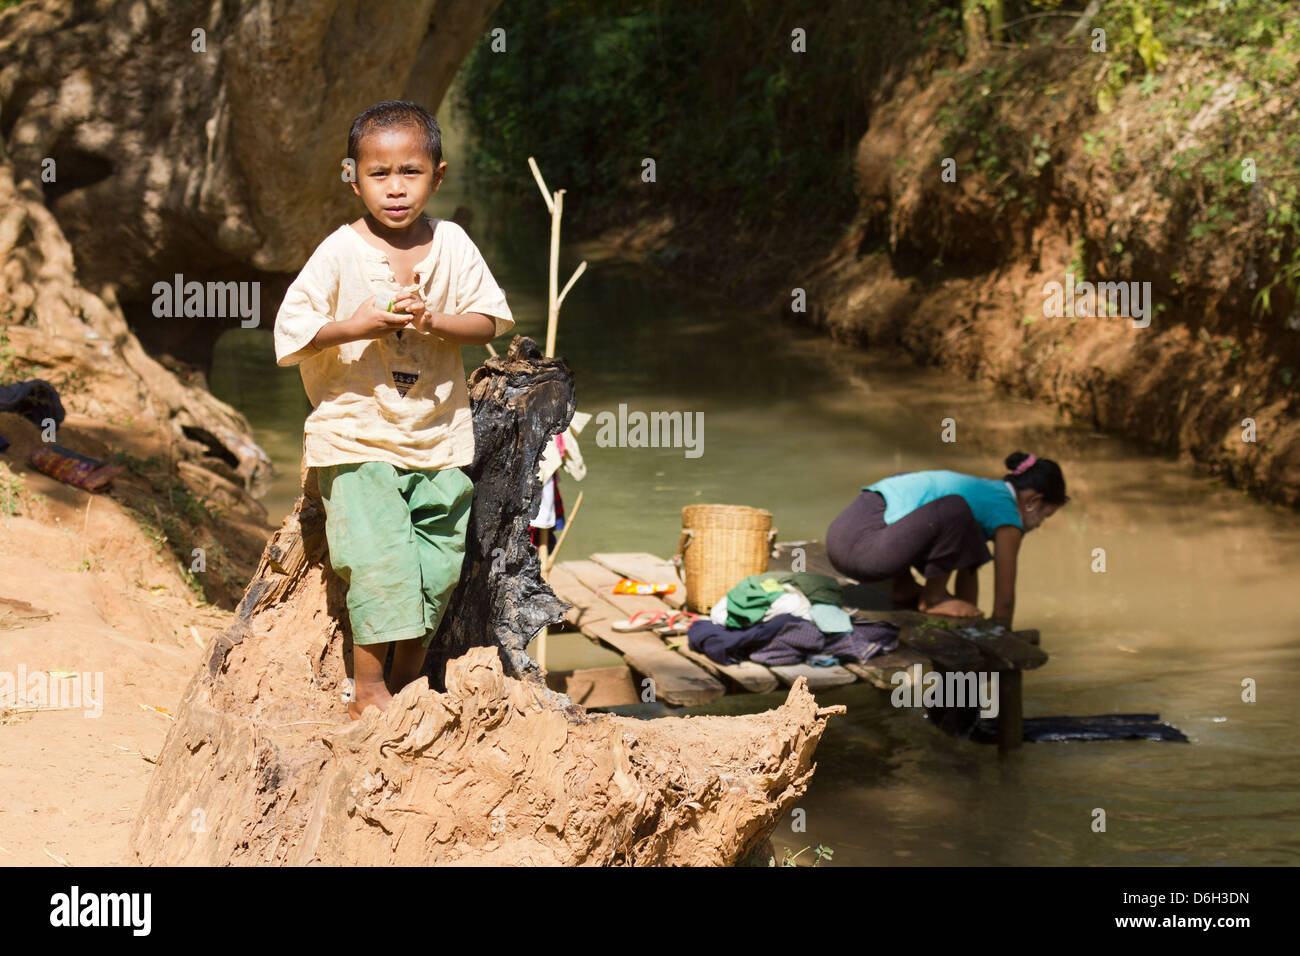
{"points": [[34, 399]]}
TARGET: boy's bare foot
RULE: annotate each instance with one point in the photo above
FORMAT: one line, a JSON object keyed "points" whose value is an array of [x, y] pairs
{"points": [[949, 606], [366, 695], [408, 661]]}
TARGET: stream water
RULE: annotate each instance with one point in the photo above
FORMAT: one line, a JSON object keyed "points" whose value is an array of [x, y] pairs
{"points": [[1199, 591]]}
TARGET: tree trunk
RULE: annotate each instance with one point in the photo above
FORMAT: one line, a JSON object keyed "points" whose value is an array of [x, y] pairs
{"points": [[263, 765]]}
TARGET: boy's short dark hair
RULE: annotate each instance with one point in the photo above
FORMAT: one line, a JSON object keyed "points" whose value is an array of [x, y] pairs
{"points": [[397, 113]]}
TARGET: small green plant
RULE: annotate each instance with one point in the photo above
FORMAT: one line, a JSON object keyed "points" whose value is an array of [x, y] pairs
{"points": [[820, 852], [12, 489], [8, 358], [1078, 266]]}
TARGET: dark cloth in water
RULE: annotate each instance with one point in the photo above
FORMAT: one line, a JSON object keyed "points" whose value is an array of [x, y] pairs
{"points": [[788, 639], [1101, 727], [966, 722], [34, 399]]}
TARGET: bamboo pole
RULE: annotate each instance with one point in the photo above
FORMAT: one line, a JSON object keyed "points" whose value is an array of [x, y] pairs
{"points": [[549, 562], [554, 205], [552, 295]]}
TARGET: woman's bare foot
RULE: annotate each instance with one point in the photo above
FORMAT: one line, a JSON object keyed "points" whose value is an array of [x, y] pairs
{"points": [[906, 591], [949, 606]]}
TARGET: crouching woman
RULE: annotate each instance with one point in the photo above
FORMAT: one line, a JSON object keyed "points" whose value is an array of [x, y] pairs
{"points": [[940, 523]]}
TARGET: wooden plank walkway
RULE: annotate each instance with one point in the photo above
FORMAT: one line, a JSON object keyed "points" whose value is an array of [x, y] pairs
{"points": [[683, 677], [677, 680]]}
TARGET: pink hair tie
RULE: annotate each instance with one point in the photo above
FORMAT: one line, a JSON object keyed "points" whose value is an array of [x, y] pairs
{"points": [[1025, 465]]}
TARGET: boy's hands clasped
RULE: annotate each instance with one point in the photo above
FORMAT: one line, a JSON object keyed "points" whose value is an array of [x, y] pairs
{"points": [[372, 320], [417, 314]]}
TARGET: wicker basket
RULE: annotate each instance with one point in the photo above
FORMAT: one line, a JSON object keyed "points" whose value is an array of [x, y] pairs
{"points": [[719, 545]]}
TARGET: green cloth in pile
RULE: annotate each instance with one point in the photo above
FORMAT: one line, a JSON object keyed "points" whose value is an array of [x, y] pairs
{"points": [[750, 598]]}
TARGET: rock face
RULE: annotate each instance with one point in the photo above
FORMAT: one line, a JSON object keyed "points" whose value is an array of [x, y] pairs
{"points": [[263, 765], [207, 139], [193, 448]]}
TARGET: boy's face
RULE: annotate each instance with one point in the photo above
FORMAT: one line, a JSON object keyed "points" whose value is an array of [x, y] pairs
{"points": [[395, 176]]}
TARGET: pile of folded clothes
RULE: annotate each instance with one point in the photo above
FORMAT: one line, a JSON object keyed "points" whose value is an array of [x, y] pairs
{"points": [[38, 401], [788, 617]]}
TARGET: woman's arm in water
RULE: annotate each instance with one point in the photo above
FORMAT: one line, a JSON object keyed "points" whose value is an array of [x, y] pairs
{"points": [[1006, 548]]}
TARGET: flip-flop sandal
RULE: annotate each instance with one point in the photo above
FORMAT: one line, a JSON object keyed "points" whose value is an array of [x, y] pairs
{"points": [[678, 623], [636, 622]]}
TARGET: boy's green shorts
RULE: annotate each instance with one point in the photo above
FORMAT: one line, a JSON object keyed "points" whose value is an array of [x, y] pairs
{"points": [[397, 537]]}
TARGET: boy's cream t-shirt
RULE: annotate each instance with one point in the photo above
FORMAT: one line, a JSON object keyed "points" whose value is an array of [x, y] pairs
{"points": [[402, 401]]}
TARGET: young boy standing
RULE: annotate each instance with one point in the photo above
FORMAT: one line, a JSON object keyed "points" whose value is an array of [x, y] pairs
{"points": [[390, 426]]}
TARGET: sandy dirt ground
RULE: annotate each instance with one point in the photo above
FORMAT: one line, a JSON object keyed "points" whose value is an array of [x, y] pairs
{"points": [[84, 590]]}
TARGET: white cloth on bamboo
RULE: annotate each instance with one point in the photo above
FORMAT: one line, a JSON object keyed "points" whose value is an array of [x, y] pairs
{"points": [[546, 507], [571, 460]]}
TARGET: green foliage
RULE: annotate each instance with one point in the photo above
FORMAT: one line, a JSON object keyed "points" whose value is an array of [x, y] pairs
{"points": [[194, 509], [739, 125], [8, 359], [12, 489], [1078, 266], [176, 528], [1195, 135]]}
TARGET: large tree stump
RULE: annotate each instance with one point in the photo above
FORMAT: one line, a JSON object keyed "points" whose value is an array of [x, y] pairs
{"points": [[264, 766], [519, 402]]}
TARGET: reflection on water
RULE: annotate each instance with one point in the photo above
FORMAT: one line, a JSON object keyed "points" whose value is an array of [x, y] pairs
{"points": [[1198, 593]]}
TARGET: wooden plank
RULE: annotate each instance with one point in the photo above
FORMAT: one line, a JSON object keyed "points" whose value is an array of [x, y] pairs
{"points": [[678, 680], [749, 676], [1008, 651], [900, 617], [819, 678], [601, 686], [879, 670], [948, 651], [600, 580], [585, 606], [643, 566]]}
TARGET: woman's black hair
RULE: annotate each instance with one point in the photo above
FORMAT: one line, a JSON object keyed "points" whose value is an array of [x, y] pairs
{"points": [[1043, 476], [397, 113]]}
